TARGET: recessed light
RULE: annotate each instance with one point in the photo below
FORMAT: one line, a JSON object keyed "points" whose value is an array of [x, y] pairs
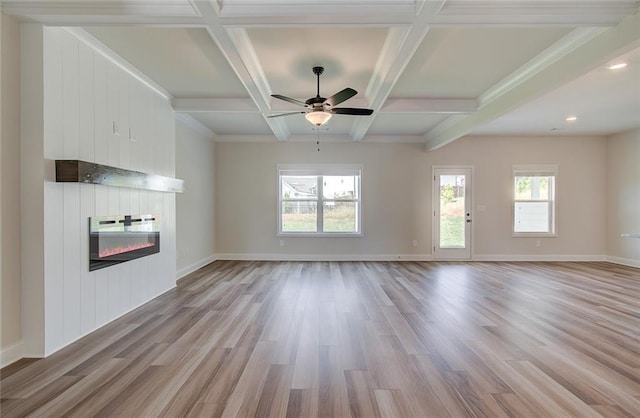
{"points": [[571, 118], [617, 66]]}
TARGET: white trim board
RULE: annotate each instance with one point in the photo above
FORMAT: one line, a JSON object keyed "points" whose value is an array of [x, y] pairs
{"points": [[539, 257], [422, 257], [195, 266], [326, 257], [623, 261], [11, 354]]}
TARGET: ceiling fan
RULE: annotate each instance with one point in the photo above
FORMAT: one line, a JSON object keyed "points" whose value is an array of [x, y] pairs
{"points": [[319, 110]]}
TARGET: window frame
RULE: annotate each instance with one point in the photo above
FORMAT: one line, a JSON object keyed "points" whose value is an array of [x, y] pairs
{"points": [[320, 170], [550, 170]]}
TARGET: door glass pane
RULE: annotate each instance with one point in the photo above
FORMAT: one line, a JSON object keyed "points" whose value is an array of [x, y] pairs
{"points": [[339, 216], [299, 216], [340, 187], [452, 219], [299, 187]]}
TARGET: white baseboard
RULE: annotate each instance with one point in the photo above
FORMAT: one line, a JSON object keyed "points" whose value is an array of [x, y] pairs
{"points": [[624, 261], [539, 257], [11, 354], [326, 257], [195, 266]]}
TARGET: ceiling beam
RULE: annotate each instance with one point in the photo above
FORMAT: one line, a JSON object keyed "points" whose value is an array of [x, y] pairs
{"points": [[399, 47], [83, 12], [238, 51], [212, 104], [535, 12], [311, 10], [590, 49]]}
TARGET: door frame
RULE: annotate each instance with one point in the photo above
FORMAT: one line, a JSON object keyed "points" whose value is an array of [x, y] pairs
{"points": [[435, 203]]}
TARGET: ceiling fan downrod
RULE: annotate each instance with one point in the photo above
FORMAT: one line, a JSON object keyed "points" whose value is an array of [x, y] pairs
{"points": [[318, 72]]}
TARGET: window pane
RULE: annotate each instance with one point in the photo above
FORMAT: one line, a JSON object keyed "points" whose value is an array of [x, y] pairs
{"points": [[340, 187], [452, 211], [339, 217], [299, 217], [533, 187], [299, 187], [532, 217]]}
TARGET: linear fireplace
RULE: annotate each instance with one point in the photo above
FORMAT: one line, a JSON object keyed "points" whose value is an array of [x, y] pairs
{"points": [[116, 239]]}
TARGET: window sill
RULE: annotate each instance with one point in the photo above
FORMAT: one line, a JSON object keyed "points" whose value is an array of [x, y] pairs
{"points": [[320, 235], [533, 235]]}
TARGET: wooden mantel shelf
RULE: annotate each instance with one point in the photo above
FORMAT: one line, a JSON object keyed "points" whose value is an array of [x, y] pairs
{"points": [[76, 171]]}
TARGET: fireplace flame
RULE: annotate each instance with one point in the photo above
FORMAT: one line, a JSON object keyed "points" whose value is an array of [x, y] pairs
{"points": [[119, 250]]}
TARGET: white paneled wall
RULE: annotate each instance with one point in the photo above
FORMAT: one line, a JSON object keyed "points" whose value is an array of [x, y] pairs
{"points": [[85, 96]]}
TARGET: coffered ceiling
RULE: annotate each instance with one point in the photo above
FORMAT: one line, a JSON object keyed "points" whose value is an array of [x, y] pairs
{"points": [[432, 71]]}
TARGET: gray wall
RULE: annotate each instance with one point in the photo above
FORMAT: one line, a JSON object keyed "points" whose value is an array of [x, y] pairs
{"points": [[397, 202], [623, 197], [195, 207]]}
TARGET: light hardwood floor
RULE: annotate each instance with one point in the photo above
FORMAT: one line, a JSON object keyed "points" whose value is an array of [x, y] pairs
{"points": [[366, 339]]}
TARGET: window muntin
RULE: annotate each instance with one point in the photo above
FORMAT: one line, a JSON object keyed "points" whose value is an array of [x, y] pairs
{"points": [[317, 200], [534, 202]]}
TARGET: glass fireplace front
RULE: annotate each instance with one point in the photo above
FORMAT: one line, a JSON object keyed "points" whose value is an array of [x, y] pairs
{"points": [[116, 239]]}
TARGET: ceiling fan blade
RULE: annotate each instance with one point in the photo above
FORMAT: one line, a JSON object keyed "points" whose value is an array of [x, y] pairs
{"points": [[340, 96], [284, 114], [289, 99], [351, 111]]}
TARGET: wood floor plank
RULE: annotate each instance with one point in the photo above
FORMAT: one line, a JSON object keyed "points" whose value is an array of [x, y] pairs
{"points": [[350, 339]]}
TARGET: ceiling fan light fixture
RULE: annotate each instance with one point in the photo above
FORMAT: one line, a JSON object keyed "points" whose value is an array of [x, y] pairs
{"points": [[318, 117]]}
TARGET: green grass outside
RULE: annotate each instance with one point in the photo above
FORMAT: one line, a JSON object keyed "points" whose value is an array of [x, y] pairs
{"points": [[452, 232], [335, 220]]}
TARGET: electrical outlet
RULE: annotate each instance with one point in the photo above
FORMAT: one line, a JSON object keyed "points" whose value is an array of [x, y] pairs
{"points": [[538, 243], [282, 243]]}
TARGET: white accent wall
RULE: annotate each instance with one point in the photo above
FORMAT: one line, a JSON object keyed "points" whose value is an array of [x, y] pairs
{"points": [[72, 96], [397, 203], [623, 197], [195, 155]]}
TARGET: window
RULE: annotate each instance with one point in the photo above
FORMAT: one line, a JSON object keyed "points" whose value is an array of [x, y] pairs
{"points": [[319, 200], [534, 202]]}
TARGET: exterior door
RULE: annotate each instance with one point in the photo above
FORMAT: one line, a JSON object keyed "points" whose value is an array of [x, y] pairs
{"points": [[452, 213]]}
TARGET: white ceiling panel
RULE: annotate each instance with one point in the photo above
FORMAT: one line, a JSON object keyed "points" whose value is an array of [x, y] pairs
{"points": [[604, 101], [184, 61], [287, 56], [233, 123], [465, 62], [404, 123]]}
